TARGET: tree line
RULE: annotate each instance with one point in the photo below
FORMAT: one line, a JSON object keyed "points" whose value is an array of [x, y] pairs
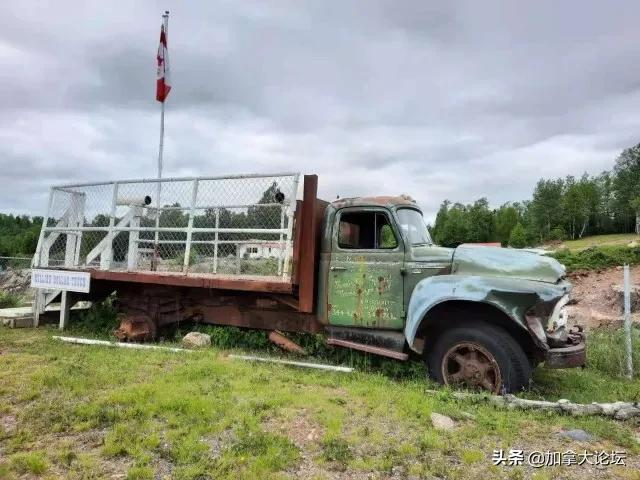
{"points": [[559, 209], [18, 235]]}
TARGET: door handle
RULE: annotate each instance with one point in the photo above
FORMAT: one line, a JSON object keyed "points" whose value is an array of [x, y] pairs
{"points": [[338, 269], [406, 271]]}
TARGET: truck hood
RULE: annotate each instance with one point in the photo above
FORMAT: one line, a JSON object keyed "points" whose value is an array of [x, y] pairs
{"points": [[506, 262]]}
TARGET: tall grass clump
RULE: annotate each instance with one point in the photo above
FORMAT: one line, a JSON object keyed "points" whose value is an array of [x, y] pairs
{"points": [[606, 351]]}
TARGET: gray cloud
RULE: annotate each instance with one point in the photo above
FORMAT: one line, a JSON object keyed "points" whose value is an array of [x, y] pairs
{"points": [[454, 100]]}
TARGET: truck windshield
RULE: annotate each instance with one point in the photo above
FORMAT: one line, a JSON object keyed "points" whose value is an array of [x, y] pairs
{"points": [[413, 226]]}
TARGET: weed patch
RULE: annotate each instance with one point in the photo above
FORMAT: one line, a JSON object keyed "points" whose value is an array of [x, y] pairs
{"points": [[336, 450]]}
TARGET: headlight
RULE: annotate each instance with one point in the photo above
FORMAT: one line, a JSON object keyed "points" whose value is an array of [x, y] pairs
{"points": [[558, 317], [555, 320]]}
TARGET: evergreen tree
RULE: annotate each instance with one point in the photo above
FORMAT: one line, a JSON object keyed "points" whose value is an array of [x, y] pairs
{"points": [[518, 237]]}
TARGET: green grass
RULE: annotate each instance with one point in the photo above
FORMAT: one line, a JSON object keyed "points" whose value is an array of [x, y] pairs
{"points": [[614, 239], [602, 380], [94, 412]]}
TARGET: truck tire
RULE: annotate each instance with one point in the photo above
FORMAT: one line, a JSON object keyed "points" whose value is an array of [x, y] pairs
{"points": [[478, 356]]}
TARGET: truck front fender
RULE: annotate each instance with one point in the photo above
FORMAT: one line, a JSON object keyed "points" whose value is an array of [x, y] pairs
{"points": [[511, 296]]}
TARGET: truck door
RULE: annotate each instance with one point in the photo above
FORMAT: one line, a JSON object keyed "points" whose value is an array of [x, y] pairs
{"points": [[365, 280]]}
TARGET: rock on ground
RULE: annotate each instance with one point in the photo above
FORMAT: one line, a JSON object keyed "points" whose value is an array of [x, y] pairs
{"points": [[196, 340], [577, 435], [442, 422], [634, 296]]}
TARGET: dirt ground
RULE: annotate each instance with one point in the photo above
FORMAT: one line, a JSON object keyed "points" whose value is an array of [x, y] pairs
{"points": [[596, 302]]}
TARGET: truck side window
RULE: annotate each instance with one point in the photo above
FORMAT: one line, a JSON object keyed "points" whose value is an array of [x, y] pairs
{"points": [[365, 231]]}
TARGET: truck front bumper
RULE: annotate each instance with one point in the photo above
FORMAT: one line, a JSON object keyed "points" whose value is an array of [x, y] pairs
{"points": [[571, 355]]}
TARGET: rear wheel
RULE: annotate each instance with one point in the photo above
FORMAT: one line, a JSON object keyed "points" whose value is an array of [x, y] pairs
{"points": [[478, 356]]}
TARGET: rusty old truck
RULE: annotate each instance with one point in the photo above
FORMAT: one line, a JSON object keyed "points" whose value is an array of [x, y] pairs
{"points": [[243, 251]]}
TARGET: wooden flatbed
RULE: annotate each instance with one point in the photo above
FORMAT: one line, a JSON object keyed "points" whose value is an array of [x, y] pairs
{"points": [[153, 298], [245, 283]]}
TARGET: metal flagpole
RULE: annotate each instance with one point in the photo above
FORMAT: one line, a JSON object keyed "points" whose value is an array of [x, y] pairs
{"points": [[165, 23], [160, 168]]}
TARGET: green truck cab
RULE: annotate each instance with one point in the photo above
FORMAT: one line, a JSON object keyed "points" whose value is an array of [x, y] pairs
{"points": [[480, 316]]}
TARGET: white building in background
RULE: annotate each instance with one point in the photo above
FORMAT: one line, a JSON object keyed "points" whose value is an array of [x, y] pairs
{"points": [[259, 249]]}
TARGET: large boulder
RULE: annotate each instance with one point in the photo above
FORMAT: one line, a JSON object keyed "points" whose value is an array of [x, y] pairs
{"points": [[196, 340]]}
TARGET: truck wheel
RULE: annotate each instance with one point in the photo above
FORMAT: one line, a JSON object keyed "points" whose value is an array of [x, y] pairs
{"points": [[480, 357]]}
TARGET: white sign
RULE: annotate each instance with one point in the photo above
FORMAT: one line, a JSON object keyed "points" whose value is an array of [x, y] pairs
{"points": [[61, 280]]}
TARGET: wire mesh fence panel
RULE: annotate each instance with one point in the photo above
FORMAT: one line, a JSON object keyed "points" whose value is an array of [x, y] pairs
{"points": [[14, 263], [237, 225]]}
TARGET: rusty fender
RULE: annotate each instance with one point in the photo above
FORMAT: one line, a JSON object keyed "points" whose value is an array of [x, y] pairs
{"points": [[510, 295]]}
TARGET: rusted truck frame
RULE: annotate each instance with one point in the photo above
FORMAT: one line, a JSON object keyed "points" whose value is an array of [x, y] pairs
{"points": [[480, 316]]}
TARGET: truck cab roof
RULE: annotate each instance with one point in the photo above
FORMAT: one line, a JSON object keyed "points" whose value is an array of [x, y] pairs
{"points": [[379, 201]]}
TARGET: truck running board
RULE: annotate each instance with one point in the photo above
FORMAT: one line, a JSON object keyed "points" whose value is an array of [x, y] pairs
{"points": [[387, 343], [385, 352]]}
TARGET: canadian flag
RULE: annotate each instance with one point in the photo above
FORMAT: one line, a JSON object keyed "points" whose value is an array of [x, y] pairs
{"points": [[163, 83]]}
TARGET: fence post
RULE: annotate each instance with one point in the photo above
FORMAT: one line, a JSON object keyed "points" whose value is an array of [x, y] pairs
{"points": [[290, 215], [82, 200], [107, 253], [627, 321], [37, 258], [215, 242], [282, 253], [65, 306], [187, 248], [134, 236]]}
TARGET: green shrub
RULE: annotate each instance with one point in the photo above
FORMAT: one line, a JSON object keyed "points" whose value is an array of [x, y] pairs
{"points": [[9, 300], [101, 319], [595, 258], [557, 234], [259, 266]]}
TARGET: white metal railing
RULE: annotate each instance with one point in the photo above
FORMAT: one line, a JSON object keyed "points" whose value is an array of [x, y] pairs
{"points": [[240, 224]]}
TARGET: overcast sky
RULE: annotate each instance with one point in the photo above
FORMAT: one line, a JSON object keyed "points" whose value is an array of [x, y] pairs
{"points": [[458, 100]]}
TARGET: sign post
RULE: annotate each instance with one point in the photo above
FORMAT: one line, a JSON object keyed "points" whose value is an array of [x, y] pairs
{"points": [[60, 282]]}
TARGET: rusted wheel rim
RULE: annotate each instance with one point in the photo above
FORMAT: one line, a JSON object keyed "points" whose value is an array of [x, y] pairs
{"points": [[471, 365]]}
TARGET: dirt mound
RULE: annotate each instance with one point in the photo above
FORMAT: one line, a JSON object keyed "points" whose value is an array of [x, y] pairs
{"points": [[597, 297]]}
